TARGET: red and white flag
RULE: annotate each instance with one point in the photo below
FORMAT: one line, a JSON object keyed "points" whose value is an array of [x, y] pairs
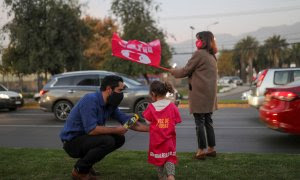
{"points": [[137, 51]]}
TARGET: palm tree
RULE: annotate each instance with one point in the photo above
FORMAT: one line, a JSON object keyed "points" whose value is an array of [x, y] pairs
{"points": [[247, 48], [275, 49], [262, 61], [295, 54]]}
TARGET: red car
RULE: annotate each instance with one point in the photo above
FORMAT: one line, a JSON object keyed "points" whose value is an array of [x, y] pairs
{"points": [[281, 109]]}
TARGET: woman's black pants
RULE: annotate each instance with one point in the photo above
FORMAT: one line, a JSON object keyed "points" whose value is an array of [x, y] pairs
{"points": [[91, 149], [204, 123]]}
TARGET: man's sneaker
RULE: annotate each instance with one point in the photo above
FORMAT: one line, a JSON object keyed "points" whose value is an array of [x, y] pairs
{"points": [[94, 172], [79, 176]]}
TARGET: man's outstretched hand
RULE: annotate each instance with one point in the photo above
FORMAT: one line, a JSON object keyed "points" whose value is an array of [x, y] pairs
{"points": [[108, 130], [131, 122], [121, 130]]}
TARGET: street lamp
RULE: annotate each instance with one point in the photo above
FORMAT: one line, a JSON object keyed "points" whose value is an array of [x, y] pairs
{"points": [[212, 24], [192, 30]]}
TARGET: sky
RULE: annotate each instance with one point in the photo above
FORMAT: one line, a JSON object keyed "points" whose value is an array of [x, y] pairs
{"points": [[233, 17]]}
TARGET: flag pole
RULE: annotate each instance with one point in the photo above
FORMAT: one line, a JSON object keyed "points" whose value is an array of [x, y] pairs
{"points": [[163, 68]]}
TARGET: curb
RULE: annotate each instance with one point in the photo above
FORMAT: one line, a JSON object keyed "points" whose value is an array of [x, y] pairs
{"points": [[30, 107]]}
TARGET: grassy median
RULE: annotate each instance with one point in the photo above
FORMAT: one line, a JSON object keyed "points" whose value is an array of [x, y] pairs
{"points": [[22, 163]]}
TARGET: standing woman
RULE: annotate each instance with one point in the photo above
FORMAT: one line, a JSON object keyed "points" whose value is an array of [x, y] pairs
{"points": [[201, 71]]}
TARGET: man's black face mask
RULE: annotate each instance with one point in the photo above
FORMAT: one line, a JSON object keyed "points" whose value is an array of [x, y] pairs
{"points": [[115, 99]]}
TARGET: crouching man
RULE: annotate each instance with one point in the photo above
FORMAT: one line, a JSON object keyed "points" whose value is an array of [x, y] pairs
{"points": [[85, 135]]}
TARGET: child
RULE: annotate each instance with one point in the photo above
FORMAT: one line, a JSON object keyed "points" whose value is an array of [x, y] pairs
{"points": [[162, 115]]}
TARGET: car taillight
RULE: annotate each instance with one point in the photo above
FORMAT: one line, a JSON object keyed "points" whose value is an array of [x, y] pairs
{"points": [[42, 92], [284, 95], [261, 78]]}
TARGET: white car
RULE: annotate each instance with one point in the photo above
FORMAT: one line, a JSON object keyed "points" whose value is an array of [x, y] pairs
{"points": [[224, 80], [245, 95], [271, 78], [236, 80], [227, 80], [9, 99]]}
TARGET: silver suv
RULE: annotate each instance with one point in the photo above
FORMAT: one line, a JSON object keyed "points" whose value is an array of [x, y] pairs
{"points": [[271, 78], [64, 90]]}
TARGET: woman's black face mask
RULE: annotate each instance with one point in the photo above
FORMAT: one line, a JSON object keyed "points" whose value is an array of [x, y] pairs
{"points": [[115, 99]]}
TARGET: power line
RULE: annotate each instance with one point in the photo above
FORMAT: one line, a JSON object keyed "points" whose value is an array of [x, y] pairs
{"points": [[253, 12]]}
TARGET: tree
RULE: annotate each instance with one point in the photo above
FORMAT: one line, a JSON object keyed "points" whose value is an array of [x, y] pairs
{"points": [[4, 68], [295, 54], [247, 50], [137, 23], [225, 64], [98, 45], [275, 48], [45, 36], [262, 61]]}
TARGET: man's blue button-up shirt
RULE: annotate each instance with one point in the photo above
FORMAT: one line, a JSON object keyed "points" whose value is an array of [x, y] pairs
{"points": [[89, 112]]}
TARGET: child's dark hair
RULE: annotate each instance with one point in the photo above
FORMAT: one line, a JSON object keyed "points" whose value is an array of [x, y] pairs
{"points": [[161, 88]]}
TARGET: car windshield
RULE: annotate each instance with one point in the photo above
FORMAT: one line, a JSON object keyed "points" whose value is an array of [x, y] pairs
{"points": [[2, 88]]}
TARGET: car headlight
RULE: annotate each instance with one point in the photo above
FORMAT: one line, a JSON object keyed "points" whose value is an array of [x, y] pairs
{"points": [[21, 96], [4, 96]]}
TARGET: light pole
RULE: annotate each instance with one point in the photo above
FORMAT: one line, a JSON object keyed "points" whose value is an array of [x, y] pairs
{"points": [[192, 30], [212, 24]]}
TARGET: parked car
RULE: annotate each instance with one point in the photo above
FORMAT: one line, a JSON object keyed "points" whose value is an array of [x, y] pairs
{"points": [[245, 95], [269, 78], [281, 108], [64, 90], [37, 97], [224, 80], [236, 80], [9, 99], [227, 80]]}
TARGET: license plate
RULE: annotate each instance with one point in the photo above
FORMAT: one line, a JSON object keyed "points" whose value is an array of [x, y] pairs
{"points": [[18, 102]]}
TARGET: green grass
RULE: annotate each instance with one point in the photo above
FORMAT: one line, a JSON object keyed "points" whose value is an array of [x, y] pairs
{"points": [[21, 163]]}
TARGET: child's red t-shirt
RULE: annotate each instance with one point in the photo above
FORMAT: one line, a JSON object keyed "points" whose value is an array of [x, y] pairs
{"points": [[162, 144]]}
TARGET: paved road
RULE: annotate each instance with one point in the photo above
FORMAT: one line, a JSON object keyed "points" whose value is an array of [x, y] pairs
{"points": [[237, 130], [234, 94]]}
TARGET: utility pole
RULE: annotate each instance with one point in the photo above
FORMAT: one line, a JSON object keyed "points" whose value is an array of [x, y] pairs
{"points": [[192, 32]]}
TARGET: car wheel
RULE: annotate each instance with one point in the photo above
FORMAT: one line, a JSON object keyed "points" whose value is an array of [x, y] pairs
{"points": [[140, 107], [62, 109]]}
